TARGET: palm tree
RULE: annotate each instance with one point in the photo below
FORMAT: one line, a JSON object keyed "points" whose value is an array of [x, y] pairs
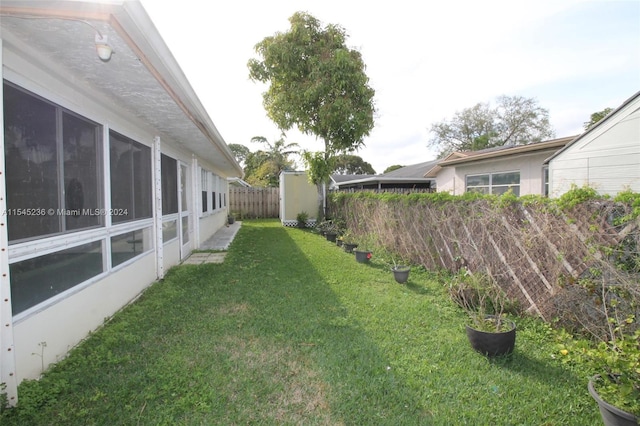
{"points": [[263, 167]]}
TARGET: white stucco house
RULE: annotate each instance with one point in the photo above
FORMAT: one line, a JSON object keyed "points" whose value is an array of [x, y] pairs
{"points": [[520, 169], [606, 157], [112, 172]]}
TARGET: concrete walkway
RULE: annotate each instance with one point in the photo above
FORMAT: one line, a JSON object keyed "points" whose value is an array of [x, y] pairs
{"points": [[219, 241]]}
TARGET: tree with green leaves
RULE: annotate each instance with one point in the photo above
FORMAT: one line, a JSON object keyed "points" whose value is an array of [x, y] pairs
{"points": [[515, 120], [596, 117], [317, 84], [392, 168], [347, 164], [240, 152], [263, 167]]}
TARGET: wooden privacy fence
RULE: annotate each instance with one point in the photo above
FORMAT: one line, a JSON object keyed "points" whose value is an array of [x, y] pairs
{"points": [[251, 203]]}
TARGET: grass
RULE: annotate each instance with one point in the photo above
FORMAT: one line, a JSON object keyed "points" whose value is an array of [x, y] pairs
{"points": [[292, 330]]}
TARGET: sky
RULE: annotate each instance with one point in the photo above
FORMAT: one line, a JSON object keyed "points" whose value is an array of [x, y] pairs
{"points": [[425, 61]]}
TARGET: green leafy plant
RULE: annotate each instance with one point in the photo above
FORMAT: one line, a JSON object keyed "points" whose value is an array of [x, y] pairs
{"points": [[485, 302], [613, 353], [302, 218], [618, 364]]}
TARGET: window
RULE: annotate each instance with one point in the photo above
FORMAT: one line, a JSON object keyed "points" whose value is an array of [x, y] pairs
{"points": [[494, 183], [130, 244], [204, 182], [213, 193], [53, 161], [545, 181], [169, 172], [130, 179], [169, 230], [40, 278]]}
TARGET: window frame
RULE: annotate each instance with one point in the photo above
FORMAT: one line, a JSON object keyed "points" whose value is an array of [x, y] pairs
{"points": [[48, 244], [490, 187], [60, 114], [135, 204]]}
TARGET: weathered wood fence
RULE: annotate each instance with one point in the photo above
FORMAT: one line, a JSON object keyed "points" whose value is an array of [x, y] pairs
{"points": [[249, 203]]}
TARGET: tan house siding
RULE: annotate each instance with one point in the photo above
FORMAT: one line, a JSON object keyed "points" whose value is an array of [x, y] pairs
{"points": [[297, 195], [529, 165]]}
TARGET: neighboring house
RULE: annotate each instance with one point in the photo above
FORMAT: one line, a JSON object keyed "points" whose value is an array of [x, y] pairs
{"points": [[606, 157], [520, 169], [408, 178], [112, 173], [297, 195]]}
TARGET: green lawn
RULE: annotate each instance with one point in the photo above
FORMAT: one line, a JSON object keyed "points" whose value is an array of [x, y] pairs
{"points": [[292, 330]]}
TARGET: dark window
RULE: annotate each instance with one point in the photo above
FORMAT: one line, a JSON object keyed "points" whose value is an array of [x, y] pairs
{"points": [[205, 202], [213, 199], [204, 183], [169, 172], [53, 161], [38, 279], [82, 172], [130, 179], [129, 245]]}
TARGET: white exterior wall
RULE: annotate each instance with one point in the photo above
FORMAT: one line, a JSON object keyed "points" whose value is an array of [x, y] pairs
{"points": [[62, 325], [446, 181], [529, 165], [606, 159], [63, 321]]}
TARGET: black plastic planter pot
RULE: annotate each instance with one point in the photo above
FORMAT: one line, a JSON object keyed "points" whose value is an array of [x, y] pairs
{"points": [[349, 247], [611, 415], [331, 236], [339, 242], [401, 273], [493, 343], [363, 256]]}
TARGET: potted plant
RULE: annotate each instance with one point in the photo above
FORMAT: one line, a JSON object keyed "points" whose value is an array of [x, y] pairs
{"points": [[302, 218], [347, 242], [323, 227], [363, 256], [616, 387], [400, 272], [489, 331]]}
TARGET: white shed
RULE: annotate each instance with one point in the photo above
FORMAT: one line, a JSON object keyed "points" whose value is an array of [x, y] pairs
{"points": [[606, 157], [297, 195]]}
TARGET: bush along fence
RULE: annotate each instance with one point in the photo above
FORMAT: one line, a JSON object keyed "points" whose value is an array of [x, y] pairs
{"points": [[251, 203], [558, 258]]}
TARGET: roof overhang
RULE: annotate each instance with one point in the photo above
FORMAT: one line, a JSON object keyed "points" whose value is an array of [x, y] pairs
{"points": [[553, 144], [142, 80], [596, 127], [457, 158], [372, 180]]}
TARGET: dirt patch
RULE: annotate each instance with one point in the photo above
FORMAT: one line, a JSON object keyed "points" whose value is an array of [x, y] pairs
{"points": [[295, 393]]}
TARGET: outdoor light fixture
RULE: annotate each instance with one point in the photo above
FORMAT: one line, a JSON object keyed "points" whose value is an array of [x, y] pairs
{"points": [[103, 48]]}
